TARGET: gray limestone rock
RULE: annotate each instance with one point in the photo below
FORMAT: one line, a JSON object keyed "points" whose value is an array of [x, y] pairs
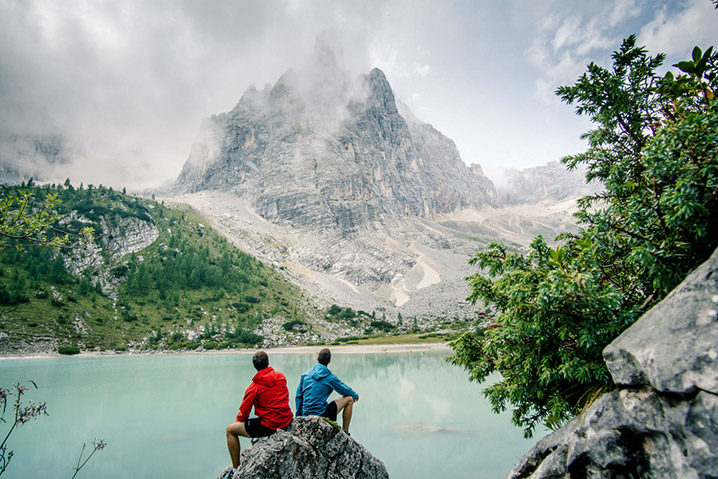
{"points": [[308, 449], [631, 434], [322, 150], [662, 421], [552, 182], [674, 346], [123, 236], [120, 236]]}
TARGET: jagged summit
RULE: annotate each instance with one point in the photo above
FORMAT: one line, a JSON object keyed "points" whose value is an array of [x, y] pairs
{"points": [[320, 149], [381, 95]]}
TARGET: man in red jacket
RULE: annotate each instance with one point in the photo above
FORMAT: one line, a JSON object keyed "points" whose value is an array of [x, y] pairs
{"points": [[269, 395]]}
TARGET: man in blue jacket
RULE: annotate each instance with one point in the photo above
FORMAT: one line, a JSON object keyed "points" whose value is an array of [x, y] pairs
{"points": [[316, 385]]}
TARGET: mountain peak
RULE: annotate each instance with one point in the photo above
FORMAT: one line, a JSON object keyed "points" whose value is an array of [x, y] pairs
{"points": [[324, 151], [381, 91]]}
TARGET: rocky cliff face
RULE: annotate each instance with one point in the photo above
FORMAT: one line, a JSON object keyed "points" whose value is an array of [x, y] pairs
{"points": [[24, 156], [308, 449], [550, 183], [120, 236], [662, 421], [320, 150]]}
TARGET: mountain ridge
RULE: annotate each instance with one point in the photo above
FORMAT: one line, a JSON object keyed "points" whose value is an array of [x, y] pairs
{"points": [[346, 150]]}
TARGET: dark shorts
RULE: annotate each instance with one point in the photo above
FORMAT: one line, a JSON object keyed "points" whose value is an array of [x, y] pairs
{"points": [[255, 428], [331, 411]]}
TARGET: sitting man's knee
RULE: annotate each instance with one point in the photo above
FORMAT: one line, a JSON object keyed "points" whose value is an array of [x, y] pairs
{"points": [[235, 429]]}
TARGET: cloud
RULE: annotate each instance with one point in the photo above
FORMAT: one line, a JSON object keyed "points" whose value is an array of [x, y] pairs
{"points": [[622, 10], [567, 34], [422, 70], [387, 58], [564, 71], [677, 33], [566, 39]]}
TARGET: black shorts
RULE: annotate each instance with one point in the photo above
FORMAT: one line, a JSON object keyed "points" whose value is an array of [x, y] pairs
{"points": [[255, 428], [331, 411]]}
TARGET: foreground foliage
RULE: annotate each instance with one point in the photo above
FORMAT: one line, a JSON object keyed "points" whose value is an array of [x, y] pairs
{"points": [[22, 412], [24, 220], [654, 150]]}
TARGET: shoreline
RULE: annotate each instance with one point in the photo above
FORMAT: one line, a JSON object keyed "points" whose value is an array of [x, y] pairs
{"points": [[338, 349]]}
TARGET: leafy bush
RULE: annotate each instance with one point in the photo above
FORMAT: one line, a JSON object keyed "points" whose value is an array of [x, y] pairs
{"points": [[241, 307], [249, 338], [295, 326], [119, 271], [351, 338], [382, 325], [347, 314], [68, 350]]}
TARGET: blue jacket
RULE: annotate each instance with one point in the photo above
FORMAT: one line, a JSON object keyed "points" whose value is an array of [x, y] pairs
{"points": [[315, 386]]}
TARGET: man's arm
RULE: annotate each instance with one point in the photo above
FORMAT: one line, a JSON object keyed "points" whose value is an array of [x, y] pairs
{"points": [[246, 407], [341, 388], [299, 398]]}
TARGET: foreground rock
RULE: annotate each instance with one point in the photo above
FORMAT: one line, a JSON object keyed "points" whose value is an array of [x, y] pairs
{"points": [[309, 448], [662, 421]]}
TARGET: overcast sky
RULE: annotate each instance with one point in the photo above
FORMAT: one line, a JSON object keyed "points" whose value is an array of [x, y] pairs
{"points": [[130, 81]]}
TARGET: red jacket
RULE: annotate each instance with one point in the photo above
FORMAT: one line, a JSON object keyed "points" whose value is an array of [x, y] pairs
{"points": [[269, 395]]}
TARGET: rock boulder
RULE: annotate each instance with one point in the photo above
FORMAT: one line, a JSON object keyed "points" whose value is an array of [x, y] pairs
{"points": [[308, 449]]}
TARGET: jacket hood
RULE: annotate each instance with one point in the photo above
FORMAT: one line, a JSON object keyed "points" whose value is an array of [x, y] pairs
{"points": [[320, 371], [266, 377]]}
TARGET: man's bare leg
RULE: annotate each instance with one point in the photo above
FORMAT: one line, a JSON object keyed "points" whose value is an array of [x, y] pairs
{"points": [[233, 431], [345, 404]]}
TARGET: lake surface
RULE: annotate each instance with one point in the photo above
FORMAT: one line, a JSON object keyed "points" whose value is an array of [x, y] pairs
{"points": [[163, 416]]}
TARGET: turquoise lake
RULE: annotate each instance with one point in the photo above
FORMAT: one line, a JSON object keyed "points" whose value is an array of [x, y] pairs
{"points": [[163, 416]]}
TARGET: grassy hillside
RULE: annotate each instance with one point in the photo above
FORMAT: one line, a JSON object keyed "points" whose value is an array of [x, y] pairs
{"points": [[156, 276]]}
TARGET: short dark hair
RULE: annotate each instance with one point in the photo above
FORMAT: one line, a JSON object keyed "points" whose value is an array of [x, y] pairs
{"points": [[260, 360], [324, 356]]}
